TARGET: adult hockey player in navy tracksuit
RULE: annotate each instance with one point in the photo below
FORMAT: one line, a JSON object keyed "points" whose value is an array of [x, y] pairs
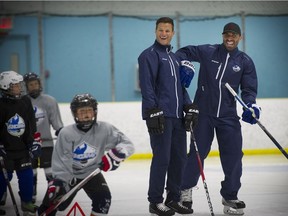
{"points": [[163, 102], [17, 144], [220, 64]]}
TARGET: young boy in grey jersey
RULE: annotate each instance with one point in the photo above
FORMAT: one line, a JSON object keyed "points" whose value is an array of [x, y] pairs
{"points": [[80, 149], [47, 114]]}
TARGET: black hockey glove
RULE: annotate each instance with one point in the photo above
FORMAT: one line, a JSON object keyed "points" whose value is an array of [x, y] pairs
{"points": [[191, 116], [155, 121], [35, 147], [111, 160], [58, 131]]}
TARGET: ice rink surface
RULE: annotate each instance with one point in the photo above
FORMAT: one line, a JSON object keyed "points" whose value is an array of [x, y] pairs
{"points": [[264, 188]]}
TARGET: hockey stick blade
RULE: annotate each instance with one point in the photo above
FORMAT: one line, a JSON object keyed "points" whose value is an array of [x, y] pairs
{"points": [[71, 192], [201, 171], [257, 120], [9, 186]]}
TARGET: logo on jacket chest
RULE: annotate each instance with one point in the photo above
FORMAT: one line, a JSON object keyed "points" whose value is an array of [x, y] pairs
{"points": [[236, 68], [16, 125]]}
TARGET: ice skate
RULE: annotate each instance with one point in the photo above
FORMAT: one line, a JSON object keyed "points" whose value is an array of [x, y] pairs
{"points": [[179, 208], [186, 198], [233, 207], [29, 209], [160, 209]]}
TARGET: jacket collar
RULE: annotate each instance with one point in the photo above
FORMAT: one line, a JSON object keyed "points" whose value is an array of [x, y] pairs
{"points": [[232, 53], [167, 48]]}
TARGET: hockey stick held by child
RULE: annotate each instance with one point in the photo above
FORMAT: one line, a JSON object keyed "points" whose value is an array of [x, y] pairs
{"points": [[9, 186], [70, 193]]}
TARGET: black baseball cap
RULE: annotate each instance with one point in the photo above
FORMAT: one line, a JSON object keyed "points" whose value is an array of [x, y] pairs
{"points": [[232, 27]]}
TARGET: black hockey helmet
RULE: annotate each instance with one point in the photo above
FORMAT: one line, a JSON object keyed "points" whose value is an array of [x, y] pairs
{"points": [[31, 77], [84, 100]]}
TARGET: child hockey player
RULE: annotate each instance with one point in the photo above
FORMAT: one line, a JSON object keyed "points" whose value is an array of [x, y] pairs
{"points": [[17, 144], [47, 114], [80, 149]]}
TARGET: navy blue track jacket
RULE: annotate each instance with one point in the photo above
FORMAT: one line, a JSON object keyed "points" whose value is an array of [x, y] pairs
{"points": [[217, 67], [160, 83]]}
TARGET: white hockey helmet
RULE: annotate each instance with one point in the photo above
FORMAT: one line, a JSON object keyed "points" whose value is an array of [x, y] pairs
{"points": [[8, 78]]}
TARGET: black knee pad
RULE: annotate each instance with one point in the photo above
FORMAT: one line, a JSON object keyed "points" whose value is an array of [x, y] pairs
{"points": [[101, 202]]}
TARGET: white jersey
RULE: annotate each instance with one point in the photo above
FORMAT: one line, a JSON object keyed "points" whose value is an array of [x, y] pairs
{"points": [[47, 114], [77, 154]]}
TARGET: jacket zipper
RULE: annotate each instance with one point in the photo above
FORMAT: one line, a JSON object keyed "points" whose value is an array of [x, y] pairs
{"points": [[219, 68], [173, 73], [219, 84]]}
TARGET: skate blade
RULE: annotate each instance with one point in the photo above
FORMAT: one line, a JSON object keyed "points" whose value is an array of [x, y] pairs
{"points": [[184, 214], [154, 214], [231, 211]]}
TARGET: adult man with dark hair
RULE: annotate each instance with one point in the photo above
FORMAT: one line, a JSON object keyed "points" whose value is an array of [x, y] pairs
{"points": [[164, 99], [220, 64]]}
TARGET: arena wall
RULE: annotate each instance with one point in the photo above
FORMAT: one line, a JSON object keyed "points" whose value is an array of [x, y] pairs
{"points": [[126, 116]]}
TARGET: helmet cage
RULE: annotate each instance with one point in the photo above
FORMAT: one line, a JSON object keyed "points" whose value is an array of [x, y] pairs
{"points": [[84, 100], [31, 77]]}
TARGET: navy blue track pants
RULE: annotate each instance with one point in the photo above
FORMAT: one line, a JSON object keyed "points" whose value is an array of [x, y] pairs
{"points": [[169, 157], [229, 138]]}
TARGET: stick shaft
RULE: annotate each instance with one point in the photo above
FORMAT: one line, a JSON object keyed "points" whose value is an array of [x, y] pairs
{"points": [[257, 120], [9, 186], [201, 172]]}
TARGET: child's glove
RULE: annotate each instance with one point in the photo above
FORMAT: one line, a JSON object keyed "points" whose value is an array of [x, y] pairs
{"points": [[111, 160], [35, 147]]}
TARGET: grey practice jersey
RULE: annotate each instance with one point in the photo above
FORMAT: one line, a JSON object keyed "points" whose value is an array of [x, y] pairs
{"points": [[47, 114], [77, 154]]}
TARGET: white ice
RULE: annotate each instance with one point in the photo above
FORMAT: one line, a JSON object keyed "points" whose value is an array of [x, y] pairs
{"points": [[264, 188]]}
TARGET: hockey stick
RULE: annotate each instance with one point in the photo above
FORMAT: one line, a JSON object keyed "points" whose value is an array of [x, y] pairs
{"points": [[71, 192], [257, 120], [201, 171], [9, 186]]}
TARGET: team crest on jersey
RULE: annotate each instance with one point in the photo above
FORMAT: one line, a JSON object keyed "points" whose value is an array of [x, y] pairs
{"points": [[236, 68], [39, 114], [83, 155], [16, 125]]}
